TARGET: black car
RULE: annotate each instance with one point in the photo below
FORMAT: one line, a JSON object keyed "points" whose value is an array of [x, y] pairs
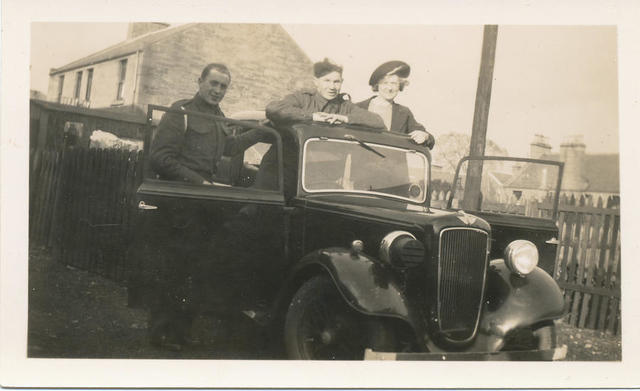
{"points": [[326, 236]]}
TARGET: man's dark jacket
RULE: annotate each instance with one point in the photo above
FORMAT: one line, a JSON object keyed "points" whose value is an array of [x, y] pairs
{"points": [[188, 147], [301, 105]]}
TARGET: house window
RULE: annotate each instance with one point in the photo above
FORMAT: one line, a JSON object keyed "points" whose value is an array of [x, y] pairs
{"points": [[60, 85], [87, 95], [123, 75], [76, 92]]}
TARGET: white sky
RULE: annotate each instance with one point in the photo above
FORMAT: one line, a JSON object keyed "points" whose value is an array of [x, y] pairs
{"points": [[553, 80]]}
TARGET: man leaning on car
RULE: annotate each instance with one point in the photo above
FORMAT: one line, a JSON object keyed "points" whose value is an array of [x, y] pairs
{"points": [[187, 147], [324, 104]]}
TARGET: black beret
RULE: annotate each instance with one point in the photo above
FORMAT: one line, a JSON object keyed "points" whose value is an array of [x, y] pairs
{"points": [[325, 67], [400, 68]]}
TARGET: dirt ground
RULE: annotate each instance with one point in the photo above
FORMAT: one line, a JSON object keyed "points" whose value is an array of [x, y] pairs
{"points": [[77, 314]]}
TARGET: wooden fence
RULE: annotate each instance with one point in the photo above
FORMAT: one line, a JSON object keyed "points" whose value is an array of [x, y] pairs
{"points": [[81, 202], [588, 263]]}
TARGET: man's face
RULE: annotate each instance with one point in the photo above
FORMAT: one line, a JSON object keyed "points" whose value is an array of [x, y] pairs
{"points": [[328, 86], [213, 87], [389, 87]]}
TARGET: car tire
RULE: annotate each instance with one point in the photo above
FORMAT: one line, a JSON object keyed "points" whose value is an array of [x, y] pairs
{"points": [[319, 325], [541, 337], [546, 336]]}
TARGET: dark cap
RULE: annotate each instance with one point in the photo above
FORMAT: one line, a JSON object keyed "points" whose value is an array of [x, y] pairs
{"points": [[324, 67], [400, 68]]}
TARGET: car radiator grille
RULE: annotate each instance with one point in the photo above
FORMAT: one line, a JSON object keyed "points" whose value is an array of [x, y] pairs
{"points": [[461, 273]]}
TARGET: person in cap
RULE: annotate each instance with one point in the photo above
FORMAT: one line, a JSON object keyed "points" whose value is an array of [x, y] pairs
{"points": [[388, 80], [324, 104]]}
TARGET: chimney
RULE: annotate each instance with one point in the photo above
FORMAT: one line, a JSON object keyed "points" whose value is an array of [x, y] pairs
{"points": [[138, 29], [539, 147], [572, 154]]}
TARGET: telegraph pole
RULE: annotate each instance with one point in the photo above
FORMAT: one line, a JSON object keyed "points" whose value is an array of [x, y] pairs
{"points": [[473, 180]]}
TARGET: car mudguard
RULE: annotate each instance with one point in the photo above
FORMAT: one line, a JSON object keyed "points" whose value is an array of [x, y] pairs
{"points": [[512, 302], [365, 284]]}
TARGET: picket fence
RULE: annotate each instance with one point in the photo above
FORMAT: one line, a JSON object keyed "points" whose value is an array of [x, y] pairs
{"points": [[588, 263], [82, 200]]}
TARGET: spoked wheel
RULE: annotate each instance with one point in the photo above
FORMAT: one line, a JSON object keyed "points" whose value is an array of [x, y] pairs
{"points": [[320, 326]]}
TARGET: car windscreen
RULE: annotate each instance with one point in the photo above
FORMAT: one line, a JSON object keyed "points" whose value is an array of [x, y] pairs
{"points": [[356, 166], [524, 187]]}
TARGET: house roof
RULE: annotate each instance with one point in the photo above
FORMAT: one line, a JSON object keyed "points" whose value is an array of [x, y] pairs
{"points": [[603, 173], [123, 48], [502, 177], [138, 118]]}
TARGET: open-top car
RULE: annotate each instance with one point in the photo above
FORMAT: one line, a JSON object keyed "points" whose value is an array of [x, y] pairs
{"points": [[326, 235]]}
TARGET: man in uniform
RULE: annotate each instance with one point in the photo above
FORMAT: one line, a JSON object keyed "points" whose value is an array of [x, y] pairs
{"points": [[325, 104], [188, 147]]}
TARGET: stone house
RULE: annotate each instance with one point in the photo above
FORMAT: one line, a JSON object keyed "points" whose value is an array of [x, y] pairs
{"points": [[159, 64]]}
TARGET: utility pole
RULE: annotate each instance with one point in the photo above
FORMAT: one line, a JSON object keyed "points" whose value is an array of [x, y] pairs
{"points": [[472, 196]]}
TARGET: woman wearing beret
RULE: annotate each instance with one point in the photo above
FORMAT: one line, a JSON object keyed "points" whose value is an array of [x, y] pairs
{"points": [[324, 104], [388, 80]]}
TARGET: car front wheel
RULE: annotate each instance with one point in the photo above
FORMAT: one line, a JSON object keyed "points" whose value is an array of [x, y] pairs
{"points": [[540, 337], [319, 325]]}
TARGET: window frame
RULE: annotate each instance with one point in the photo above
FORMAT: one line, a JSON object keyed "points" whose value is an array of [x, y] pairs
{"points": [[558, 184], [122, 77], [60, 87], [78, 86], [87, 93]]}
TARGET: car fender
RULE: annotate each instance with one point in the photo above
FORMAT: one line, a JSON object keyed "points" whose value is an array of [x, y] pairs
{"points": [[366, 285], [512, 302]]}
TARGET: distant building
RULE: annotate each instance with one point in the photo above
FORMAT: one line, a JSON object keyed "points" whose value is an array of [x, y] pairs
{"points": [[588, 175], [159, 64]]}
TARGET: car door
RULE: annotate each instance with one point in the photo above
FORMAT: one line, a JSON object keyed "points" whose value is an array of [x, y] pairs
{"points": [[517, 196], [226, 240]]}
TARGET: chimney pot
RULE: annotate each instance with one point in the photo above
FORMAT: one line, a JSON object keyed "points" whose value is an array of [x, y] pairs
{"points": [[539, 147]]}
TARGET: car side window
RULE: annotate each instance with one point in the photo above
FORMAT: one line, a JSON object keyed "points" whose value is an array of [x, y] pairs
{"points": [[514, 187], [255, 167]]}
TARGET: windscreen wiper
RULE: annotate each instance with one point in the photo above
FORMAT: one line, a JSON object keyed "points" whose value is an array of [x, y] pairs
{"points": [[363, 144]]}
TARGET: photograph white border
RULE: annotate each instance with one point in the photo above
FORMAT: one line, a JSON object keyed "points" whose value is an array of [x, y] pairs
{"points": [[16, 370]]}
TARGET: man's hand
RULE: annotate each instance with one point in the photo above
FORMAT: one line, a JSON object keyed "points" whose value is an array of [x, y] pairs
{"points": [[320, 116], [422, 137], [330, 118], [337, 119]]}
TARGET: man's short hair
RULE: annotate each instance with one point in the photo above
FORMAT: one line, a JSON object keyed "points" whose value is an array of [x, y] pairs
{"points": [[218, 67], [325, 67]]}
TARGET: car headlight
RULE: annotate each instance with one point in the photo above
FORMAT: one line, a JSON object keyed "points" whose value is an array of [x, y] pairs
{"points": [[401, 249], [521, 257]]}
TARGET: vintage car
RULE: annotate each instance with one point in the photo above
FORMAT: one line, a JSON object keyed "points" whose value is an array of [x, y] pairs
{"points": [[326, 236]]}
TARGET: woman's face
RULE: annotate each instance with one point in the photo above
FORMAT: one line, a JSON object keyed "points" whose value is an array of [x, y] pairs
{"points": [[329, 85], [389, 87]]}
